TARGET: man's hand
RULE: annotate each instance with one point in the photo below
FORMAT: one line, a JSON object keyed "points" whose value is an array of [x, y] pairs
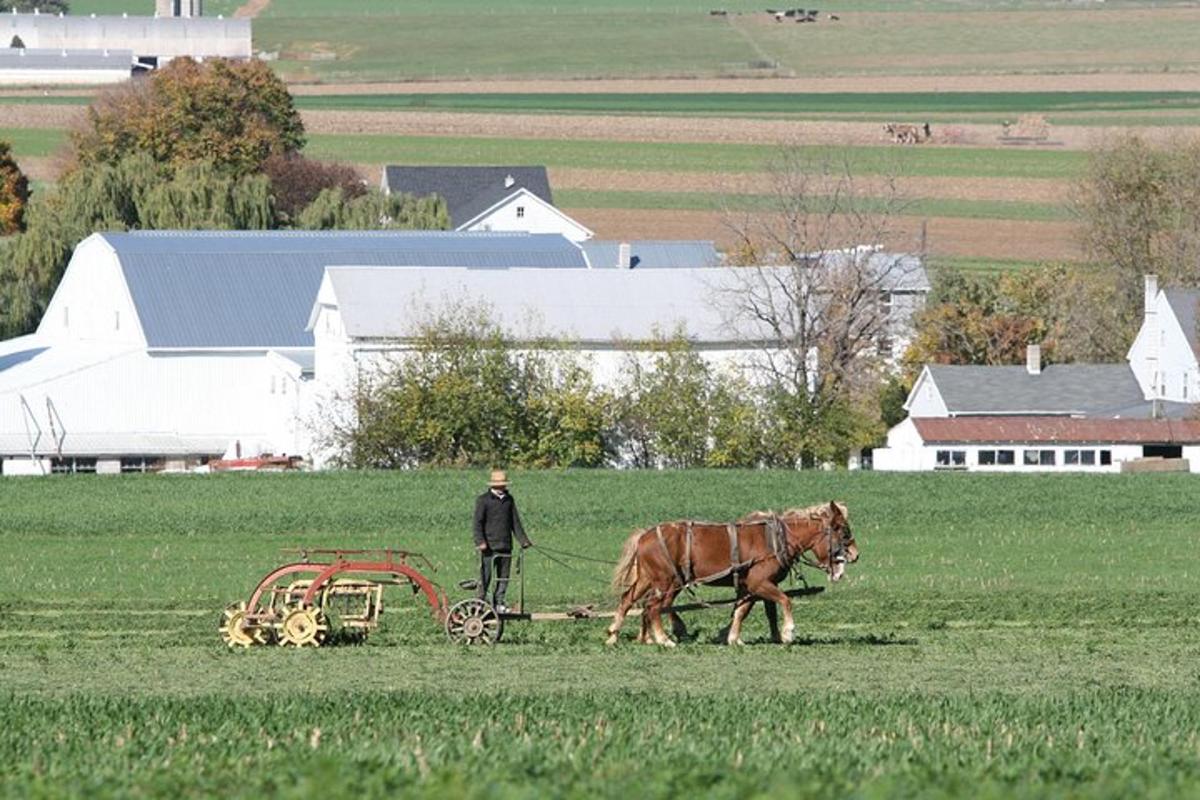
{"points": [[483, 547], [526, 545]]}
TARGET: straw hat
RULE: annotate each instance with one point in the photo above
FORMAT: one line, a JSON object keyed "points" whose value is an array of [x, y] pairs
{"points": [[499, 478]]}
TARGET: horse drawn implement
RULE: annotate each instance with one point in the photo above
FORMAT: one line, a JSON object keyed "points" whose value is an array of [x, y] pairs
{"points": [[322, 591]]}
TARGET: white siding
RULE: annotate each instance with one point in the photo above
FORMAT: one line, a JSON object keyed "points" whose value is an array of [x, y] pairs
{"points": [[92, 302], [527, 212], [925, 400], [1176, 375]]}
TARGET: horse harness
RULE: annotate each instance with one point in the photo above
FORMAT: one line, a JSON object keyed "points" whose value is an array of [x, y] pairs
{"points": [[776, 539]]}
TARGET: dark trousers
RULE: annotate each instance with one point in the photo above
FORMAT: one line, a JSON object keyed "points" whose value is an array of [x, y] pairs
{"points": [[503, 560]]}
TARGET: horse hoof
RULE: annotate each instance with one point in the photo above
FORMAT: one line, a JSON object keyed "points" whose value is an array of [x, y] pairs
{"points": [[611, 640], [737, 642], [668, 643]]}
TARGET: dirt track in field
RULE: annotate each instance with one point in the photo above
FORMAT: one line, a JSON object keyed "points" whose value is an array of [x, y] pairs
{"points": [[251, 9], [1000, 239], [1111, 82], [1030, 190]]}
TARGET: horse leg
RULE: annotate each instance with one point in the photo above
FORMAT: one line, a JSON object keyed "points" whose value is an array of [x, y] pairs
{"points": [[745, 603], [627, 600], [772, 595], [678, 628], [772, 611], [654, 610]]}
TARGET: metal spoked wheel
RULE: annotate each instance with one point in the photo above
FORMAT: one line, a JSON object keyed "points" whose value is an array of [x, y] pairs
{"points": [[303, 627], [474, 622], [237, 631]]}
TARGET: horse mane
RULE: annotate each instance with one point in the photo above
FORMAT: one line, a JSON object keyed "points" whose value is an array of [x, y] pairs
{"points": [[812, 512]]}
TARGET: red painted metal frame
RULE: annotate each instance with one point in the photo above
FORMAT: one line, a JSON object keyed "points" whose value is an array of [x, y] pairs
{"points": [[326, 571]]}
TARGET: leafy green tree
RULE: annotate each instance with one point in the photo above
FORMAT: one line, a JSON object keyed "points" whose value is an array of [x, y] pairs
{"points": [[232, 114], [373, 210], [466, 396], [14, 193]]}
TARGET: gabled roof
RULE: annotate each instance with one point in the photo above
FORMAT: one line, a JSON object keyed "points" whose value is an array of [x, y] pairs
{"points": [[1051, 430], [1097, 390], [215, 289], [586, 306], [653, 254], [1184, 305], [468, 191]]}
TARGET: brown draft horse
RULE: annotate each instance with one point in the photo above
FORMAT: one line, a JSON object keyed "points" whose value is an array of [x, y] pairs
{"points": [[752, 555]]}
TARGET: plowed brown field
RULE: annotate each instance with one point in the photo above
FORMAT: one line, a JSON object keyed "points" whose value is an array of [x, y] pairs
{"points": [[999, 239]]}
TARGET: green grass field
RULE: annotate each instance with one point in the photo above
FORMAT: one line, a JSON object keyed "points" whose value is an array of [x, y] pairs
{"points": [[689, 156], [1001, 636]]}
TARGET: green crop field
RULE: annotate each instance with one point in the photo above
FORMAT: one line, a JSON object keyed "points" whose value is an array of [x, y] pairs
{"points": [[691, 156], [1001, 636], [778, 104]]}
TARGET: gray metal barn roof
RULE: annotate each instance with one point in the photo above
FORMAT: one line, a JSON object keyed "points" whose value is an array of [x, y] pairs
{"points": [[593, 306], [50, 59], [651, 254], [256, 288], [468, 191], [1083, 389]]}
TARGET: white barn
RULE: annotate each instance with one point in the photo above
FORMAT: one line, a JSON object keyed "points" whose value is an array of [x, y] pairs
{"points": [[1063, 417], [23, 66], [163, 347], [152, 40]]}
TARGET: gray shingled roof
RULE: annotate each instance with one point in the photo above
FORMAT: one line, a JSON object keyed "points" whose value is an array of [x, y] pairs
{"points": [[50, 59], [256, 289], [468, 191], [653, 254], [1185, 303], [591, 306], [1098, 390]]}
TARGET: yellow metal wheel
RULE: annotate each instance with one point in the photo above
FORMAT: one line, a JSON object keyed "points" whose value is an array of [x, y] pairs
{"points": [[237, 631], [303, 627]]}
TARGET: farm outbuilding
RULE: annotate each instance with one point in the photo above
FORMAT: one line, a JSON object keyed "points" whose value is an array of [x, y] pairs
{"points": [[21, 66], [152, 40]]}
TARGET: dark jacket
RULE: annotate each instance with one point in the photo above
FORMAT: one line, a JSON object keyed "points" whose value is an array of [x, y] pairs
{"points": [[496, 520]]}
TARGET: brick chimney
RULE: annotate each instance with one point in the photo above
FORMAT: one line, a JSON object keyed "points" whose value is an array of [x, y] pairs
{"points": [[1033, 359]]}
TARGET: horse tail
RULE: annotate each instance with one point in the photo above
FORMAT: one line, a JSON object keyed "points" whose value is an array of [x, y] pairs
{"points": [[625, 574]]}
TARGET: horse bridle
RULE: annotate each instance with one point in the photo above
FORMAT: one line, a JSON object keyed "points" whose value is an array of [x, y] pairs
{"points": [[835, 547]]}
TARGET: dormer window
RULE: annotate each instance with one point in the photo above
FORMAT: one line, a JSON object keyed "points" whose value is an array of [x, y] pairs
{"points": [[520, 212]]}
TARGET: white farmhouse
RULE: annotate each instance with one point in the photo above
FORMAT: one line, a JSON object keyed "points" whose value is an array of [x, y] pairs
{"points": [[1063, 417], [489, 198]]}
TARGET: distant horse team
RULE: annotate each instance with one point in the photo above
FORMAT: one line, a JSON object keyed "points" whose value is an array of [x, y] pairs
{"points": [[904, 133], [752, 554]]}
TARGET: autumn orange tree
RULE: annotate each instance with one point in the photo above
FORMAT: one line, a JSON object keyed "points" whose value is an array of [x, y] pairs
{"points": [[232, 114], [14, 193]]}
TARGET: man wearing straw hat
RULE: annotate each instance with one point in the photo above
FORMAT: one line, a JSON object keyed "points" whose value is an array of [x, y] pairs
{"points": [[496, 521]]}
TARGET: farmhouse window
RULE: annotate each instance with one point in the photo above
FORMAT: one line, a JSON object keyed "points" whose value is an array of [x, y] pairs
{"points": [[1030, 458], [1071, 458], [951, 458], [1105, 458], [1046, 458], [987, 458], [1006, 457], [520, 212], [1087, 458]]}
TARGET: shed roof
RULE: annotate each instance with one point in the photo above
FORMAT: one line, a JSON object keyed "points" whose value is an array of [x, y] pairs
{"points": [[210, 289], [1082, 389], [653, 254], [1050, 430], [468, 191], [54, 59], [589, 306]]}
